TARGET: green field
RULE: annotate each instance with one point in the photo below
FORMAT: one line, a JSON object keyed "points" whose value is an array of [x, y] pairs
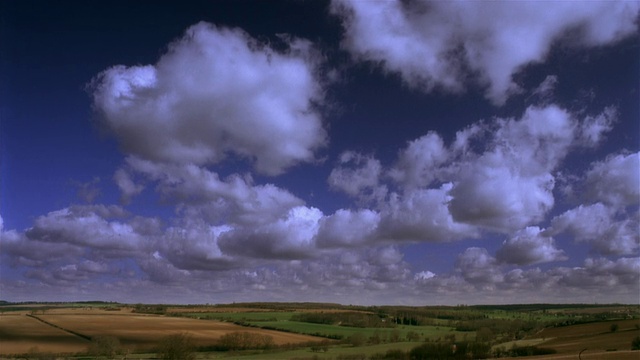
{"points": [[281, 320], [243, 316], [343, 332]]}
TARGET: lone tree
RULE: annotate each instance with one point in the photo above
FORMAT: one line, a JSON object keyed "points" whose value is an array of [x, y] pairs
{"points": [[614, 328], [177, 347]]}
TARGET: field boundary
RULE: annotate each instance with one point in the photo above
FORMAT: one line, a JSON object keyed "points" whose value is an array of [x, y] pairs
{"points": [[85, 337]]}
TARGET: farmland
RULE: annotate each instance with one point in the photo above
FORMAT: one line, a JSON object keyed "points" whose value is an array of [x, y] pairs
{"points": [[322, 331], [69, 330]]}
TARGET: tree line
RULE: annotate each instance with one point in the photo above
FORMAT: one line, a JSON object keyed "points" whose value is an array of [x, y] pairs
{"points": [[351, 319]]}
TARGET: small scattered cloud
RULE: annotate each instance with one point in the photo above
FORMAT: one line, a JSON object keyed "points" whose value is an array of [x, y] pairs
{"points": [[128, 188], [544, 92], [89, 191], [424, 275]]}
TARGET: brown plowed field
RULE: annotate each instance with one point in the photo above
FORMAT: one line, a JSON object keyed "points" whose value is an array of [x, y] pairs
{"points": [[587, 355], [595, 336], [19, 333]]}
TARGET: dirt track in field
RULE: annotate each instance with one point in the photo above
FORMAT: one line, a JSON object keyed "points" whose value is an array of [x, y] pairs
{"points": [[20, 333]]}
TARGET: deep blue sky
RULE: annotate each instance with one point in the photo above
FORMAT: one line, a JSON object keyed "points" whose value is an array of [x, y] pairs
{"points": [[299, 150]]}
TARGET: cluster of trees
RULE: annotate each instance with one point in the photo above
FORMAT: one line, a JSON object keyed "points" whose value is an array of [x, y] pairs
{"points": [[150, 309], [430, 351], [516, 351], [177, 347], [352, 319], [452, 351], [461, 350], [509, 329], [105, 347], [244, 341], [430, 315]]}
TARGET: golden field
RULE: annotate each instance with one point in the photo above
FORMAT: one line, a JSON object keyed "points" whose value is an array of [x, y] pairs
{"points": [[19, 333]]}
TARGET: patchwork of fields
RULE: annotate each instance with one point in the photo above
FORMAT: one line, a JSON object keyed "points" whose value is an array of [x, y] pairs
{"points": [[600, 333], [20, 332]]}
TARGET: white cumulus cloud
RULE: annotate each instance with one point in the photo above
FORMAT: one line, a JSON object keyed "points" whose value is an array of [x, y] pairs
{"points": [[216, 91], [441, 44], [358, 176], [608, 232], [422, 215], [479, 268], [290, 237], [346, 228], [529, 246], [92, 226], [615, 181]]}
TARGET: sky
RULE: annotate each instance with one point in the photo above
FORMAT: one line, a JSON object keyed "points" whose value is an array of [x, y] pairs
{"points": [[356, 152]]}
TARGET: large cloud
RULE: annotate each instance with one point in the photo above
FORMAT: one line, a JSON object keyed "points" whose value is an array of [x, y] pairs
{"points": [[602, 273], [497, 176], [235, 200], [599, 225], [216, 91], [291, 237], [22, 251], [479, 268], [418, 161], [346, 228], [422, 215], [498, 189], [440, 44], [192, 245], [615, 181], [608, 219], [93, 226], [529, 246]]}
